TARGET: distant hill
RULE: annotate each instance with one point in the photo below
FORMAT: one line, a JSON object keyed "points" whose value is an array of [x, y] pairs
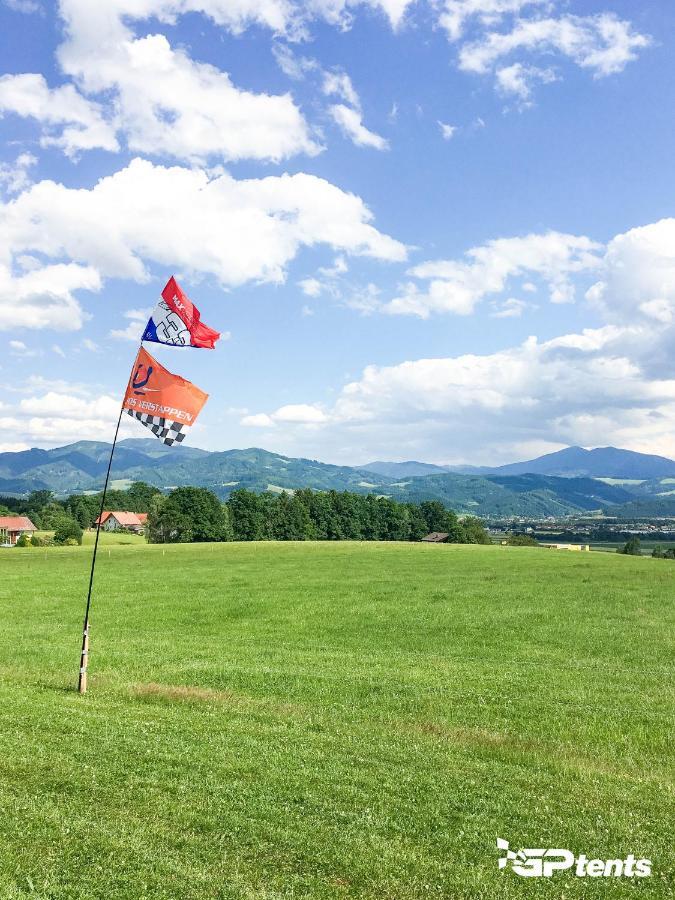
{"points": [[403, 469], [572, 462], [81, 467], [603, 462]]}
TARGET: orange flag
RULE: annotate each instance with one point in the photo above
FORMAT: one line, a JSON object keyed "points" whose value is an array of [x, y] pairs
{"points": [[165, 403]]}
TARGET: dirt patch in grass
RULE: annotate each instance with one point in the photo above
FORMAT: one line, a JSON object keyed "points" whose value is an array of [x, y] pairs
{"points": [[182, 692], [187, 693], [563, 756]]}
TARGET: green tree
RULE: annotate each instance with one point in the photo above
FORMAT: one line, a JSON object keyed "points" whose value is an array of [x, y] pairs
{"points": [[473, 531], [438, 518], [522, 540], [631, 547], [417, 526], [188, 514], [246, 516], [68, 530], [139, 497]]}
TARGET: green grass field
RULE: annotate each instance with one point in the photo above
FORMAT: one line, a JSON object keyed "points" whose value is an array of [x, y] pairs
{"points": [[332, 721]]}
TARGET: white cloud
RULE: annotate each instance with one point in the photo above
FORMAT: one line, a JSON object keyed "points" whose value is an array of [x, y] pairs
{"points": [[261, 420], [138, 319], [14, 176], [293, 414], [518, 80], [84, 127], [457, 286], [456, 14], [310, 287], [350, 121], [488, 31], [603, 43], [43, 298], [155, 87], [27, 7], [339, 12], [19, 349], [609, 385], [339, 84], [299, 414], [638, 275], [235, 230], [349, 115], [589, 388], [60, 415], [447, 131], [509, 309]]}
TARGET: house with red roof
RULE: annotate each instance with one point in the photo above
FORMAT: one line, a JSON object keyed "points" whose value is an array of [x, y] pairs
{"points": [[112, 520], [12, 527]]}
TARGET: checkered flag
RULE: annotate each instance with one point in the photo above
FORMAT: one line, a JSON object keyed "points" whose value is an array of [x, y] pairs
{"points": [[169, 432]]}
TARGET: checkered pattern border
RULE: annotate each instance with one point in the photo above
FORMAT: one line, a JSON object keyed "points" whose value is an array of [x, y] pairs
{"points": [[167, 431]]}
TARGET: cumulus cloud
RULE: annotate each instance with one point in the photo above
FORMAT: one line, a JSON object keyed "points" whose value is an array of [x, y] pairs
{"points": [[457, 286], [43, 298], [638, 275], [84, 126], [293, 414], [234, 230], [603, 43], [15, 176], [155, 85], [612, 384], [60, 415], [489, 31], [488, 408]]}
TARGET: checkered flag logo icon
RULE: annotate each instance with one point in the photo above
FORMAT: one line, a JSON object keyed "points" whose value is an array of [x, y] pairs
{"points": [[509, 855], [167, 431]]}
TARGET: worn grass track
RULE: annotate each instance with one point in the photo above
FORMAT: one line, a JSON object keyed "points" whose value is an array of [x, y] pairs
{"points": [[332, 721]]}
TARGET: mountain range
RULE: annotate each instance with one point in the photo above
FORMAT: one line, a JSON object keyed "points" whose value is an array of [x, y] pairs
{"points": [[602, 462], [570, 481]]}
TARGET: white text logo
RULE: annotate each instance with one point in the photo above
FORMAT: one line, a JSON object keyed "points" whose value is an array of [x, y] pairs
{"points": [[540, 862]]}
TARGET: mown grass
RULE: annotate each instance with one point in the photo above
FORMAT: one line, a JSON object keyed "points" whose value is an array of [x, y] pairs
{"points": [[332, 721]]}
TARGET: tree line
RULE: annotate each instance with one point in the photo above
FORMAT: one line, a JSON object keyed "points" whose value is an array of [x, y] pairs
{"points": [[196, 514], [190, 514]]}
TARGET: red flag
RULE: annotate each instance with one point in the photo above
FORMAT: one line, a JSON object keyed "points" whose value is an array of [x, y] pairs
{"points": [[176, 321]]}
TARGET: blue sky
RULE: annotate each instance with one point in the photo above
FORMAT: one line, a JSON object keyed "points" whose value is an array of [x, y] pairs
{"points": [[435, 230]]}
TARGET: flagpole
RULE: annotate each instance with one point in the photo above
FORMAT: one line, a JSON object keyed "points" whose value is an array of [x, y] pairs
{"points": [[84, 656]]}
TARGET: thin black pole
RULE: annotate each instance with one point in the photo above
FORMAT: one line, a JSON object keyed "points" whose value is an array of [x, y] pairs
{"points": [[84, 656]]}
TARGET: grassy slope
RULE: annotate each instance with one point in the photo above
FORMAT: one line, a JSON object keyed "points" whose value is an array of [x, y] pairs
{"points": [[333, 720]]}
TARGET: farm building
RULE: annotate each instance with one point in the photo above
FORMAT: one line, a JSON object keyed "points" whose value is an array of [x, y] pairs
{"points": [[12, 527], [436, 537], [113, 520]]}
